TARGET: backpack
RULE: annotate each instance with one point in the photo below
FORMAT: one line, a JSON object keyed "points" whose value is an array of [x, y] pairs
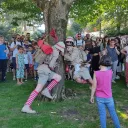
{"points": [[82, 42]]}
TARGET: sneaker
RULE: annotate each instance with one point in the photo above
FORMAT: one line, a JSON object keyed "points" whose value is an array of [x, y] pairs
{"points": [[127, 85], [46, 93], [27, 109], [35, 78], [26, 80], [113, 81], [14, 78], [117, 77]]}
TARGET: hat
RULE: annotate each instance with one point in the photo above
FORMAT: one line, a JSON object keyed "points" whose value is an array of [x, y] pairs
{"points": [[70, 39], [60, 46]]}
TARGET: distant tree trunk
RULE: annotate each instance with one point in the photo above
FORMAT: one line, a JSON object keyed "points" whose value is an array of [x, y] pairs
{"points": [[56, 16]]}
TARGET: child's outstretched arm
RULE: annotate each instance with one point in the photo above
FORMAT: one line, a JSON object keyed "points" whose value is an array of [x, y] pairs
{"points": [[17, 62], [93, 89]]}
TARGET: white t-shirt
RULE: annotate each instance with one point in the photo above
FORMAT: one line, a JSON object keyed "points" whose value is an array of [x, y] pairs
{"points": [[79, 43], [26, 58], [126, 49], [15, 51]]}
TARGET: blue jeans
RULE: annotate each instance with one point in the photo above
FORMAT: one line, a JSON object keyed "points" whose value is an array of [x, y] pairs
{"points": [[102, 103]]}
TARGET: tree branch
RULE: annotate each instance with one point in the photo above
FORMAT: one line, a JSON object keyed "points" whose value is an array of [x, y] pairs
{"points": [[69, 2], [41, 3]]}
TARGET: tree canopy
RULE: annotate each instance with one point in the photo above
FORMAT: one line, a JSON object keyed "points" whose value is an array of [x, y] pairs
{"points": [[85, 12]]}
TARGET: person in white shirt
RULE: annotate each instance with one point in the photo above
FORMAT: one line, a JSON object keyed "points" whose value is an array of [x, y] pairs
{"points": [[79, 42], [14, 49]]}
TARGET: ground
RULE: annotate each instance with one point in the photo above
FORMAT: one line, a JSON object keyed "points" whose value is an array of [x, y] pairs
{"points": [[74, 112]]}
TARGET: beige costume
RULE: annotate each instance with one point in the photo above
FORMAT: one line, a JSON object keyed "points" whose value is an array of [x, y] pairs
{"points": [[77, 56], [44, 71]]}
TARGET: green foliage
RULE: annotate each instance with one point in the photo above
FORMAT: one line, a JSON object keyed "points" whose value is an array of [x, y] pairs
{"points": [[21, 10], [114, 32], [73, 29], [90, 12], [37, 34], [8, 30]]}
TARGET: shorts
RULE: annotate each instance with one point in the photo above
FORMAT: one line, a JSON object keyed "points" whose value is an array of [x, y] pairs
{"points": [[44, 74], [27, 67], [83, 73], [35, 65], [14, 62]]}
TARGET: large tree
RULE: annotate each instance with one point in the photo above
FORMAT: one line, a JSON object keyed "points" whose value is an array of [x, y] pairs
{"points": [[55, 15]]}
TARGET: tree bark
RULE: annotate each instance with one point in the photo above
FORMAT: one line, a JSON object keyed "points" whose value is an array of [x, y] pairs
{"points": [[56, 16]]}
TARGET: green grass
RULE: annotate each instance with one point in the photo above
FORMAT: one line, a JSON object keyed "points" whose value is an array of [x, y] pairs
{"points": [[74, 112]]}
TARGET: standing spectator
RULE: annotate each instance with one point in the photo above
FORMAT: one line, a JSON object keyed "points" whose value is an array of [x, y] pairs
{"points": [[26, 45], [14, 49], [30, 58], [88, 41], [26, 62], [3, 58], [113, 52], [102, 89], [95, 52], [125, 52], [28, 37], [119, 65], [79, 41], [105, 42], [36, 64], [20, 65]]}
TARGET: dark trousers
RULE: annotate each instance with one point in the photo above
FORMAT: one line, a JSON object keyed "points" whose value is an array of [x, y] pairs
{"points": [[3, 68]]}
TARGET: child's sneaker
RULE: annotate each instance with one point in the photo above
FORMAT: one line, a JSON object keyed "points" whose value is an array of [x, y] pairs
{"points": [[26, 80], [113, 81], [27, 109], [35, 78], [14, 78], [46, 93], [117, 77]]}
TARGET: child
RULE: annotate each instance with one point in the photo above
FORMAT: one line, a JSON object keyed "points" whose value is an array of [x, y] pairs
{"points": [[102, 89], [88, 55], [26, 64], [35, 63], [30, 58], [20, 65]]}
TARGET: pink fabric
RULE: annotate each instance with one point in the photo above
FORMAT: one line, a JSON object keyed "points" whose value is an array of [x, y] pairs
{"points": [[104, 80], [31, 98], [52, 85]]}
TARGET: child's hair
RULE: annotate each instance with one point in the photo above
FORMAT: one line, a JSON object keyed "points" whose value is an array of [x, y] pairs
{"points": [[105, 61], [30, 46], [35, 44], [19, 47]]}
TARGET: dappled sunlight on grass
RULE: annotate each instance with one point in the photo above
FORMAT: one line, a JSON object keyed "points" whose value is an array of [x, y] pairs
{"points": [[122, 115]]}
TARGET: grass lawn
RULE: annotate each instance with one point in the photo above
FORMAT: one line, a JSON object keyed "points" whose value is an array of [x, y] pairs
{"points": [[74, 112]]}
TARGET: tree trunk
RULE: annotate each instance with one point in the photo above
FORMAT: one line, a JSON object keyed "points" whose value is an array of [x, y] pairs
{"points": [[56, 16]]}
